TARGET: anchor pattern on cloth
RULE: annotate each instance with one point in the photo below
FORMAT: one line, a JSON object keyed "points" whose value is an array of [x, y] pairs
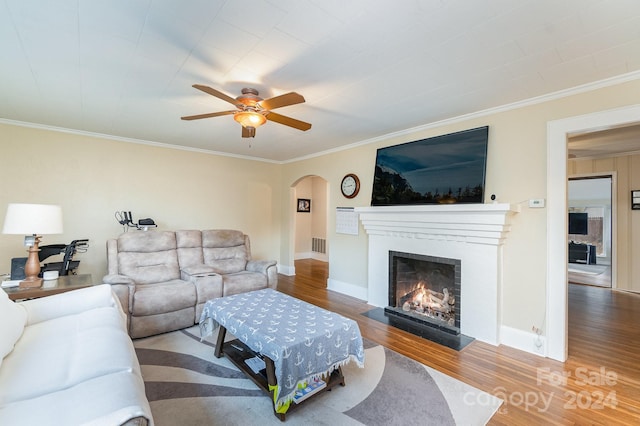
{"points": [[303, 340]]}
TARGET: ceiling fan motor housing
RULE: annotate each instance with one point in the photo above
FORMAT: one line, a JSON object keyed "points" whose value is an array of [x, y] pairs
{"points": [[250, 98]]}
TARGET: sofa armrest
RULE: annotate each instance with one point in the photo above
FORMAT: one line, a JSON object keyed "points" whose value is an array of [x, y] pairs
{"points": [[117, 279], [207, 282], [69, 303], [121, 287], [260, 265], [196, 271], [267, 267]]}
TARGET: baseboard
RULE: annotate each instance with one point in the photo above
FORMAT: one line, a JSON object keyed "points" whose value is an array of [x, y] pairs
{"points": [[311, 255], [319, 256], [523, 340], [286, 270], [347, 289], [305, 255]]}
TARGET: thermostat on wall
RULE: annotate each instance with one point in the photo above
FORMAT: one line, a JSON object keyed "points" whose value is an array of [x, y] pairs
{"points": [[536, 203]]}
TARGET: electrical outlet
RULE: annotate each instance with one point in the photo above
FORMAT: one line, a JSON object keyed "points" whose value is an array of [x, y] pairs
{"points": [[538, 341], [538, 345]]}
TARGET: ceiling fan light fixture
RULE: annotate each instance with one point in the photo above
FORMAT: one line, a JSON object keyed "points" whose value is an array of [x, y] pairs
{"points": [[249, 118]]}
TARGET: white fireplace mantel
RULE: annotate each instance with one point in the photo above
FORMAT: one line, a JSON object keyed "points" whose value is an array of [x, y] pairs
{"points": [[473, 223], [472, 233]]}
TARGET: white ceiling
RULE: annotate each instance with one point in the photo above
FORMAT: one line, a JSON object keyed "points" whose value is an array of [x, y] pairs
{"points": [[606, 143], [366, 68]]}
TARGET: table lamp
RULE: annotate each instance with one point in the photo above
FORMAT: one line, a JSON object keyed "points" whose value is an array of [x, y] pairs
{"points": [[33, 219]]}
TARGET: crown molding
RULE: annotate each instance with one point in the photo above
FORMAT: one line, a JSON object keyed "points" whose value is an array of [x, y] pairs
{"points": [[129, 140], [584, 88]]}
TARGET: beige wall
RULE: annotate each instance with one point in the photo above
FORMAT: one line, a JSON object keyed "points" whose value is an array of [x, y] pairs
{"points": [[304, 189], [319, 208], [517, 172], [92, 178], [627, 239], [347, 254]]}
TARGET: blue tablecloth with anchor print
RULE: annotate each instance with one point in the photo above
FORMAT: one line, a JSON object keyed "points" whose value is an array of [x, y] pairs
{"points": [[303, 340]]}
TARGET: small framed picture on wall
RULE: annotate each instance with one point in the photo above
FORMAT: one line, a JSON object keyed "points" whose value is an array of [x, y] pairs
{"points": [[635, 200], [304, 205]]}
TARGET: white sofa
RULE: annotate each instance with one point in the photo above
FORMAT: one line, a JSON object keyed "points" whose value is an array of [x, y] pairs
{"points": [[67, 359]]}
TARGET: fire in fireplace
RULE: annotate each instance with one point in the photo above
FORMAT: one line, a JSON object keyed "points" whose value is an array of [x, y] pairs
{"points": [[425, 289]]}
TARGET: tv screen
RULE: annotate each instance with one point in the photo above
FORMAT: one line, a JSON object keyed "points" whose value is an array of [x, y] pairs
{"points": [[579, 223], [443, 169]]}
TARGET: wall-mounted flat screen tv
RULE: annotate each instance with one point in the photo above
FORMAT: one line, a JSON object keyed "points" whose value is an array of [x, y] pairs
{"points": [[440, 170], [579, 223]]}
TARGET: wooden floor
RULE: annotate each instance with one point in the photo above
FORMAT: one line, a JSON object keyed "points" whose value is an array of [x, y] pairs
{"points": [[598, 385]]}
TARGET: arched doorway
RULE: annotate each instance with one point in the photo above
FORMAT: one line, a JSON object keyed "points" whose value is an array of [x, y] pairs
{"points": [[309, 233]]}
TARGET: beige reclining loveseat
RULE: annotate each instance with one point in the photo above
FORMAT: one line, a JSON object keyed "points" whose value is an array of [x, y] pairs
{"points": [[164, 278]]}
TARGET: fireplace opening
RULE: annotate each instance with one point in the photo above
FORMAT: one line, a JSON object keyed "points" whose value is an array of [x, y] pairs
{"points": [[425, 289]]}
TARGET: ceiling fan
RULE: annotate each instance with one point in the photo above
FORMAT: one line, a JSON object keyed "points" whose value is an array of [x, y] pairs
{"points": [[252, 111]]}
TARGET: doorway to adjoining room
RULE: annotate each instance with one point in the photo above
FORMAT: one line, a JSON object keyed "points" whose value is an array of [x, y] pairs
{"points": [[590, 221], [310, 225]]}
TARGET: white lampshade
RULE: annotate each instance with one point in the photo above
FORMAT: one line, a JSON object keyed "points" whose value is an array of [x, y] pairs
{"points": [[33, 219]]}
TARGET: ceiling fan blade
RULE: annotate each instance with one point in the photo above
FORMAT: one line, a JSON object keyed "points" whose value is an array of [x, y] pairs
{"points": [[287, 99], [208, 115], [248, 132], [217, 94], [288, 121]]}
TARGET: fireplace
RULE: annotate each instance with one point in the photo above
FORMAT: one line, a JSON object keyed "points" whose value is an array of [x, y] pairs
{"points": [[425, 289], [474, 234]]}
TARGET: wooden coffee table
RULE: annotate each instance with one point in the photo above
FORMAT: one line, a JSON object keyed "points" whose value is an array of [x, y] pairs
{"points": [[50, 287], [296, 341], [237, 352]]}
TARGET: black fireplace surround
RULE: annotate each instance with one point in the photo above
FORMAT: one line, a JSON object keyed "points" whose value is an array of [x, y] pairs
{"points": [[425, 289]]}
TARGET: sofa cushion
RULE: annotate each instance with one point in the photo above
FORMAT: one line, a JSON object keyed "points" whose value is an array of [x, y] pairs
{"points": [[148, 325], [13, 317], [145, 268], [225, 250], [69, 303], [147, 242], [65, 351], [222, 238], [198, 270], [148, 257], [159, 298], [243, 282], [112, 399], [226, 260], [189, 238], [189, 243]]}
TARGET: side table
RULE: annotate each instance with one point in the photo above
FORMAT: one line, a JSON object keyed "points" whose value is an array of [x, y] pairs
{"points": [[50, 287]]}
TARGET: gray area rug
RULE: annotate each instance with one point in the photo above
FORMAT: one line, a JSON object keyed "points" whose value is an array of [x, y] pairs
{"points": [[187, 385]]}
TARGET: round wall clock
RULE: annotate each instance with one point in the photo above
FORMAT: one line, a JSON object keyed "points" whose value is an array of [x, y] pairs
{"points": [[350, 185]]}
